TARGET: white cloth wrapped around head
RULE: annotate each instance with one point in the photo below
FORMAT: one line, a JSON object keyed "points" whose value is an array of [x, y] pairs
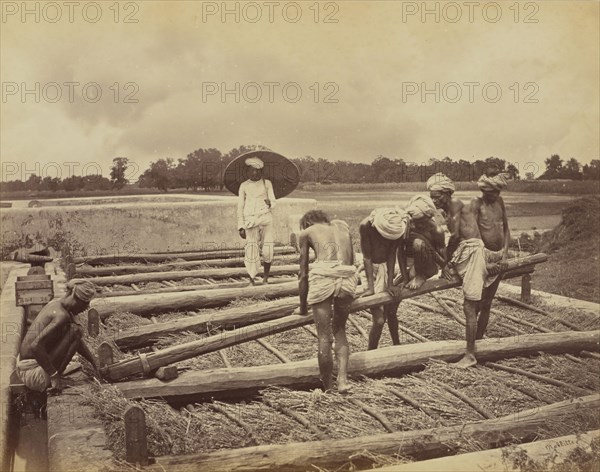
{"points": [[420, 206], [254, 162], [440, 182], [391, 223], [497, 182]]}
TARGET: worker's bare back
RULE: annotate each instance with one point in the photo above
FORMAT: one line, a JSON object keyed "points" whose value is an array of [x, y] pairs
{"points": [[54, 319], [331, 242]]}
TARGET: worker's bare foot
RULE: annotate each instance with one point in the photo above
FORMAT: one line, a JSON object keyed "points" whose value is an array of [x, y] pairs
{"points": [[466, 362], [343, 386], [416, 282], [265, 280]]}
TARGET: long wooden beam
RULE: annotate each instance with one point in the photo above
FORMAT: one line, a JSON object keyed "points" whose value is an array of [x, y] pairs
{"points": [[165, 256], [386, 361], [549, 452], [187, 288], [170, 266], [218, 273], [418, 444], [140, 336], [144, 304]]}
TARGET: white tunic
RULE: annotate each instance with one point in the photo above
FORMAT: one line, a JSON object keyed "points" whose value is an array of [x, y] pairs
{"points": [[252, 209]]}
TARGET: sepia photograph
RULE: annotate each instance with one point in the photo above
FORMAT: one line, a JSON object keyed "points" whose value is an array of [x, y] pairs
{"points": [[312, 235]]}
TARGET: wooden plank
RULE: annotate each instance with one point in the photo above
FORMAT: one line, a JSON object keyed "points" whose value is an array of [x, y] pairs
{"points": [[34, 284], [548, 453], [526, 288], [136, 443], [34, 297], [392, 360], [422, 444], [93, 322], [25, 278], [165, 256], [527, 306]]}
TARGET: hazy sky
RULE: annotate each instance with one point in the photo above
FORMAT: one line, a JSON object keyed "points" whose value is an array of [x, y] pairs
{"points": [[365, 71]]}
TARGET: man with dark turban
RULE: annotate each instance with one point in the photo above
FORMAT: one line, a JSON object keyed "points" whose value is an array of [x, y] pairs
{"points": [[426, 245], [256, 201], [382, 239], [53, 339]]}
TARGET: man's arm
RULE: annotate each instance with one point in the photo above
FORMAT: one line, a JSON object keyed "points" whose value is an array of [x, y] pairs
{"points": [[270, 194], [240, 206], [506, 229], [365, 247], [84, 350], [303, 274], [454, 218]]}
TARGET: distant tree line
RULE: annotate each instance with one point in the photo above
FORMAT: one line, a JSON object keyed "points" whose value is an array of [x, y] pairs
{"points": [[203, 169]]}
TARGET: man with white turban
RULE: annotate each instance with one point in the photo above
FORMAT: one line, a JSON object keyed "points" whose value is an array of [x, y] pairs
{"points": [[382, 236], [468, 258], [331, 280], [256, 201], [426, 245], [53, 339]]}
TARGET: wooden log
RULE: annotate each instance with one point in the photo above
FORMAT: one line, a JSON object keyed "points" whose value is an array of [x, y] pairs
{"points": [[236, 420], [143, 304], [225, 358], [512, 301], [358, 328], [223, 319], [70, 272], [136, 443], [144, 334], [392, 360], [221, 273], [171, 266], [590, 355], [167, 373], [420, 444], [165, 256], [548, 453], [414, 403], [412, 333], [541, 378], [448, 310], [105, 355], [172, 287]]}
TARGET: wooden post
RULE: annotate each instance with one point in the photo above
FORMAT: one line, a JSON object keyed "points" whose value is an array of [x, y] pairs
{"points": [[36, 270], [105, 355], [136, 443], [526, 288], [71, 269], [93, 322]]}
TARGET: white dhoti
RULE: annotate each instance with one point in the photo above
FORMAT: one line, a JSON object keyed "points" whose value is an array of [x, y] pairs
{"points": [[33, 376], [470, 260], [259, 241], [331, 278]]}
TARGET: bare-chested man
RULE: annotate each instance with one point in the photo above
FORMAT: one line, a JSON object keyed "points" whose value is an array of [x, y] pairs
{"points": [[426, 245], [382, 239], [466, 255], [331, 278], [53, 339]]}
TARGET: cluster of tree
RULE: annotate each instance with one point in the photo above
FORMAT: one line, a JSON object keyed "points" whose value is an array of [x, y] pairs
{"points": [[556, 168], [204, 169]]}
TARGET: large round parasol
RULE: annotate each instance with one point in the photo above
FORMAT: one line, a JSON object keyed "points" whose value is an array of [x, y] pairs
{"points": [[283, 173]]}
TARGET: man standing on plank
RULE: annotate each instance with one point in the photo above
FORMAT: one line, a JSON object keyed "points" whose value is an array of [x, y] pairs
{"points": [[426, 244], [256, 201], [467, 255], [53, 339], [332, 279], [382, 239]]}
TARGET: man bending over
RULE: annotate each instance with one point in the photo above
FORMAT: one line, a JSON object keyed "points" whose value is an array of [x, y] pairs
{"points": [[332, 279], [382, 236]]}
